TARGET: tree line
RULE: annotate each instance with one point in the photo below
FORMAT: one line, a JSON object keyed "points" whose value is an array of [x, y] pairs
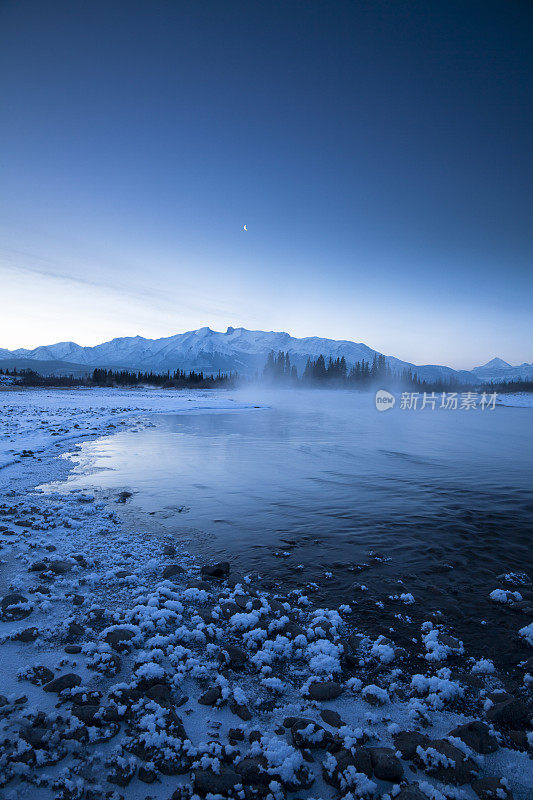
{"points": [[334, 373], [179, 379], [278, 371]]}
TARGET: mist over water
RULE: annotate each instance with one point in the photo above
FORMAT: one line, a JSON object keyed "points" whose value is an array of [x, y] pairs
{"points": [[319, 482]]}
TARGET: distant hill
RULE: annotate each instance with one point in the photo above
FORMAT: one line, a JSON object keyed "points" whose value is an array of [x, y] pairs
{"points": [[236, 349], [54, 368]]}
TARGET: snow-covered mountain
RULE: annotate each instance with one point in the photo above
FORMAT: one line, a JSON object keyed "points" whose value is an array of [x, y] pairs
{"points": [[241, 350], [499, 370]]}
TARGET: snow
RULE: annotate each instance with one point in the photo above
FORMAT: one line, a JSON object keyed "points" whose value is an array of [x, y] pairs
{"points": [[324, 657], [38, 420], [483, 667], [503, 596], [375, 692], [517, 399], [436, 649], [527, 633], [383, 650], [438, 689]]}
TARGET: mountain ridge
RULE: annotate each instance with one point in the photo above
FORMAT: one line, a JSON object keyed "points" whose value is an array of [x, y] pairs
{"points": [[244, 351]]}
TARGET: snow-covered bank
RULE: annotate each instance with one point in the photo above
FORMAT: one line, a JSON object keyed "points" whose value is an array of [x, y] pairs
{"points": [[125, 664], [36, 419], [518, 399]]}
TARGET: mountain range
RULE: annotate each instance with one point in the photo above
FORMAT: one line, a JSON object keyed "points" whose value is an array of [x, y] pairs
{"points": [[236, 349]]}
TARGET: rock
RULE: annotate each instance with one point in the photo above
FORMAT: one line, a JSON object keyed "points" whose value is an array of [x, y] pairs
{"points": [[288, 722], [75, 629], [123, 573], [237, 734], [253, 770], [160, 693], [491, 789], [211, 696], [40, 675], [519, 738], [407, 742], [87, 714], [207, 586], [508, 711], [181, 793], [375, 695], [411, 792], [307, 734], [20, 700], [111, 714], [208, 782], [86, 697], [228, 608], [220, 570], [34, 736], [455, 768], [173, 765], [324, 690], [80, 558], [78, 599], [354, 641], [27, 635], [514, 578], [450, 641], [68, 681], [241, 711], [242, 601], [292, 630], [172, 570], [10, 606], [60, 567], [331, 718], [301, 779], [347, 762], [386, 764], [234, 656], [25, 757], [38, 566], [477, 736], [73, 649], [121, 774], [118, 638], [169, 550], [146, 775]]}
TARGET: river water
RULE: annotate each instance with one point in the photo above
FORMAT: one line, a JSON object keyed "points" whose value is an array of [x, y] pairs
{"points": [[318, 487]]}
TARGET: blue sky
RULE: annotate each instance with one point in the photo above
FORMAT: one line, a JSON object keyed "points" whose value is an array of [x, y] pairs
{"points": [[378, 152]]}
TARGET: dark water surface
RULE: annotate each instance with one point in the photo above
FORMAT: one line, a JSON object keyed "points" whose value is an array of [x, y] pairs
{"points": [[445, 497]]}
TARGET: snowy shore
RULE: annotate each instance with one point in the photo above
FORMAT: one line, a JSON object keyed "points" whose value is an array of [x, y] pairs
{"points": [[130, 670]]}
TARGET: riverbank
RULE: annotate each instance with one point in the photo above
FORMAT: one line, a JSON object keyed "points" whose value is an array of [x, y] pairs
{"points": [[128, 668]]}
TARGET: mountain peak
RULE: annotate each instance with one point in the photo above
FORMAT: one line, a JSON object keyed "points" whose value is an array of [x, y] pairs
{"points": [[496, 363]]}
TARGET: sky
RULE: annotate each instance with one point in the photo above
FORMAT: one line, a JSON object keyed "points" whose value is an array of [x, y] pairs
{"points": [[379, 154]]}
